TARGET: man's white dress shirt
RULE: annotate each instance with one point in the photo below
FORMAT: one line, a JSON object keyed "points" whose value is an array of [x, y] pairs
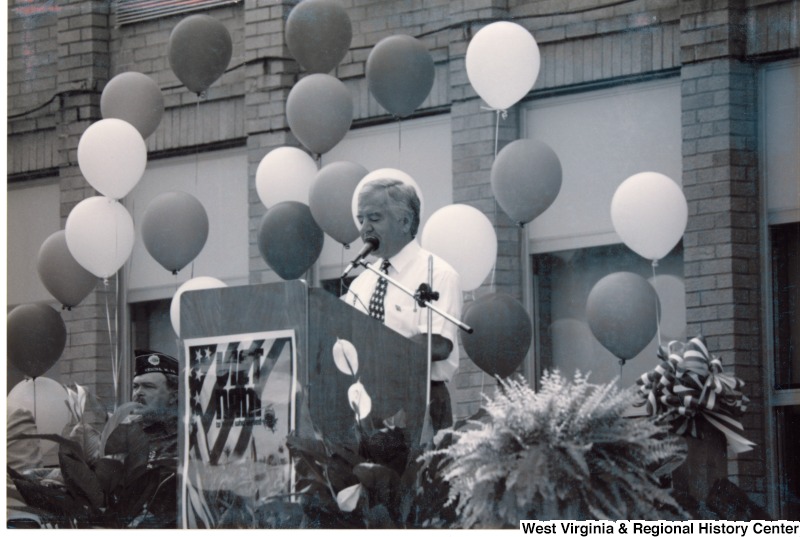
{"points": [[409, 267]]}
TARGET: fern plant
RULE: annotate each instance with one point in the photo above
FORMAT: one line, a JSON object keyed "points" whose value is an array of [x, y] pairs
{"points": [[565, 452]]}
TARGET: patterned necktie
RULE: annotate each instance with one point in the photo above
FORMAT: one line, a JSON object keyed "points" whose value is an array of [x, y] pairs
{"points": [[376, 302]]}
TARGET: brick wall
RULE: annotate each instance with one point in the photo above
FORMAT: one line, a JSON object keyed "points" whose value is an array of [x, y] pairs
{"points": [[31, 86], [721, 244], [268, 84]]}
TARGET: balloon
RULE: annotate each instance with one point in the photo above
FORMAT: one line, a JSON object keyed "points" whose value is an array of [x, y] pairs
{"points": [[36, 338], [62, 276], [318, 34], [331, 197], [201, 282], [199, 51], [285, 174], [174, 229], [135, 98], [400, 73], [112, 157], [319, 111], [502, 63], [289, 239], [649, 212], [501, 333], [384, 173], [50, 411], [525, 179], [621, 311], [465, 238], [99, 233]]}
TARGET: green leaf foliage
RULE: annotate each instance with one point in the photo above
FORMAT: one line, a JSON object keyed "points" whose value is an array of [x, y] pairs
{"points": [[566, 452], [102, 492]]}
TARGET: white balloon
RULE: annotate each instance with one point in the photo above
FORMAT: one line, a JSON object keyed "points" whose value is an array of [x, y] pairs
{"points": [[100, 235], [384, 173], [649, 212], [285, 174], [50, 411], [502, 63], [112, 156], [464, 237], [201, 282]]}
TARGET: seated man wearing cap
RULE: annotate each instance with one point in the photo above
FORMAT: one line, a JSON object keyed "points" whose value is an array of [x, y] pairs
{"points": [[155, 403], [155, 388], [154, 412]]}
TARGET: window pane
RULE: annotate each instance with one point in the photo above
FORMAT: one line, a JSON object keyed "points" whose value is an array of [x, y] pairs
{"points": [[563, 282], [789, 471], [786, 322], [152, 327]]}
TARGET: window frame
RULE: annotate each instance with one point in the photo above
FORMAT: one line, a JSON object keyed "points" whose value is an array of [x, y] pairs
{"points": [[134, 11], [776, 399]]}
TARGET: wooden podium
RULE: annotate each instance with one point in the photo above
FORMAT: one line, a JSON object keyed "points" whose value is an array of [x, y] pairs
{"points": [[392, 369]]}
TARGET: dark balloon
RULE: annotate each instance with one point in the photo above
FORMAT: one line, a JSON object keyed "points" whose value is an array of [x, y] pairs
{"points": [[62, 276], [330, 199], [501, 333], [622, 311], [319, 111], [199, 51], [400, 73], [318, 34], [36, 338], [289, 239], [525, 179], [135, 98], [174, 229]]}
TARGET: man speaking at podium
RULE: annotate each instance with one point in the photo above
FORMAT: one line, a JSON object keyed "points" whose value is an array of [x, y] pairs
{"points": [[389, 211]]}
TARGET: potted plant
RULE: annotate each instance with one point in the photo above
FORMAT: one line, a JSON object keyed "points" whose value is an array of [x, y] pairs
{"points": [[565, 452]]}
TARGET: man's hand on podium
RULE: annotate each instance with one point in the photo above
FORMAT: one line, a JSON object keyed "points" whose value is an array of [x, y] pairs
{"points": [[441, 347]]}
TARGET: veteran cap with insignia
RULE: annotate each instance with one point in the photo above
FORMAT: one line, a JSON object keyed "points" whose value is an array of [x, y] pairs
{"points": [[148, 361]]}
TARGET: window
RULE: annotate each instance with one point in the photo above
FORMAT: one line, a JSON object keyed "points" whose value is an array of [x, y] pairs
{"points": [[562, 282], [785, 242], [779, 119], [132, 11]]}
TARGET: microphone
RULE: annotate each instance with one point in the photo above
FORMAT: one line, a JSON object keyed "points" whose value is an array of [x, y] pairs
{"points": [[370, 244]]}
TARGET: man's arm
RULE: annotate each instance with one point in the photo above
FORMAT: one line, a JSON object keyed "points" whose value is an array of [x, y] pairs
{"points": [[441, 347]]}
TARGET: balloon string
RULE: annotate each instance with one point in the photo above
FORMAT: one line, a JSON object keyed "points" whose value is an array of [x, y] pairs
{"points": [[197, 147], [115, 349], [114, 364], [399, 141], [341, 267], [34, 402], [498, 114], [658, 313], [496, 130]]}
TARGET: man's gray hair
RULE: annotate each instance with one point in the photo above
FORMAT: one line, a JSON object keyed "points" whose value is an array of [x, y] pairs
{"points": [[402, 199]]}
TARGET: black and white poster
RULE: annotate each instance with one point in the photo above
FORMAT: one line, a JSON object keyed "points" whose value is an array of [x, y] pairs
{"points": [[240, 407]]}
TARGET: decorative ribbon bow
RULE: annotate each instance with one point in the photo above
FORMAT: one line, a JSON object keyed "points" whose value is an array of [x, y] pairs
{"points": [[690, 383]]}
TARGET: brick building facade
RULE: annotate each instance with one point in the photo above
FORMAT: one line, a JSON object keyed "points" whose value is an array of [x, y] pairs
{"points": [[61, 55]]}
